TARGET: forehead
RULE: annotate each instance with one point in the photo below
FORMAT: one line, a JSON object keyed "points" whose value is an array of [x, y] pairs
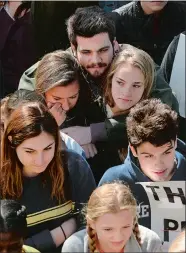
{"points": [[127, 69], [38, 142], [147, 147], [93, 43], [64, 91], [122, 218]]}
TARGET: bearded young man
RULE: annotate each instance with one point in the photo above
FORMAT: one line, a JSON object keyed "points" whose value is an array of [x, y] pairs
{"points": [[92, 37]]}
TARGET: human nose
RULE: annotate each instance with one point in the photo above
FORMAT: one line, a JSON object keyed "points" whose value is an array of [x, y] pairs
{"points": [[39, 160], [66, 105], [126, 90], [158, 163], [96, 58], [118, 236]]}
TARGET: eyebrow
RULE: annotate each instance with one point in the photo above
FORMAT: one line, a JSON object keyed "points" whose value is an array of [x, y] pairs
{"points": [[106, 47], [145, 153], [44, 148], [88, 50], [124, 80]]}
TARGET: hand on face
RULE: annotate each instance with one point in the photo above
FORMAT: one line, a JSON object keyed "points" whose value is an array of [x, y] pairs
{"points": [[57, 111]]}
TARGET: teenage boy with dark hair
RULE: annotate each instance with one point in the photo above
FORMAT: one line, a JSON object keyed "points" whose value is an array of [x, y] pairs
{"points": [[154, 153], [92, 36]]}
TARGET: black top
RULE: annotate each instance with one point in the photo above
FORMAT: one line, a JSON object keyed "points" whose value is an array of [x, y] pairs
{"points": [[45, 213], [152, 33]]}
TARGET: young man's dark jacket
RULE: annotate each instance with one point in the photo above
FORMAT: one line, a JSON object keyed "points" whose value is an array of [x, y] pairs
{"points": [[152, 33], [131, 173]]}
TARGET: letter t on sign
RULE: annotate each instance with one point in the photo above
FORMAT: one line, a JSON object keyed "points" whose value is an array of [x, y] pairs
{"points": [[153, 191]]}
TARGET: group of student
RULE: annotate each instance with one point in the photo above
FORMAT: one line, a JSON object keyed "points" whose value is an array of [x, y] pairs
{"points": [[96, 113]]}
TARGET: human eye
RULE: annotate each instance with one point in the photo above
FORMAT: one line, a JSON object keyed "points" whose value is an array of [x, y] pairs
{"points": [[29, 151], [119, 83], [56, 98], [166, 153], [148, 156], [73, 97], [85, 52], [104, 50], [48, 148], [107, 229], [136, 86]]}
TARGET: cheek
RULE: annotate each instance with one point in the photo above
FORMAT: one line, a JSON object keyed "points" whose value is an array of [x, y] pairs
{"points": [[146, 164], [115, 91], [137, 95], [23, 157], [49, 156], [82, 59], [49, 98], [103, 235]]}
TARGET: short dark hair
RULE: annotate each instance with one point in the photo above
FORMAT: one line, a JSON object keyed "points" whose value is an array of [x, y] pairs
{"points": [[12, 217], [151, 121], [89, 21]]}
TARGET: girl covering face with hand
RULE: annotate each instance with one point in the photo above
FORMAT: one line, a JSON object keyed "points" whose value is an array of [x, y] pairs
{"points": [[112, 225]]}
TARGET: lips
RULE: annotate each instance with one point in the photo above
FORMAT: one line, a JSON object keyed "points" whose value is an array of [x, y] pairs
{"points": [[159, 173], [125, 99]]}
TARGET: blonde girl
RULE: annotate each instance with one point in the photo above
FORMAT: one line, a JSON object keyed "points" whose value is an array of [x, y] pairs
{"points": [[129, 80], [112, 224]]}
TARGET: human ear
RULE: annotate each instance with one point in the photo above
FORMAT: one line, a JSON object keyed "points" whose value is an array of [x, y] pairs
{"points": [[74, 51], [133, 150], [116, 47], [10, 138]]}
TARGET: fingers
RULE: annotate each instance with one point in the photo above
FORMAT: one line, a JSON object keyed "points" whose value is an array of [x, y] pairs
{"points": [[90, 150], [58, 112], [94, 149]]}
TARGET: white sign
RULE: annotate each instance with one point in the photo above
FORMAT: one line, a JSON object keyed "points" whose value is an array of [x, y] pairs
{"points": [[167, 205]]}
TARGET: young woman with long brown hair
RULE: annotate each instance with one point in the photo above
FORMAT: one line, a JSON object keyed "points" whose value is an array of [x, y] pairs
{"points": [[48, 181]]}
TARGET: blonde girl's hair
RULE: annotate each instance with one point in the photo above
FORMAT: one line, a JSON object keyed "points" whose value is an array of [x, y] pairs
{"points": [[137, 58], [110, 198], [178, 245]]}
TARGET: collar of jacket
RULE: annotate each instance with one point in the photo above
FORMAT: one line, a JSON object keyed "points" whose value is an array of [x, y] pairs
{"points": [[131, 246]]}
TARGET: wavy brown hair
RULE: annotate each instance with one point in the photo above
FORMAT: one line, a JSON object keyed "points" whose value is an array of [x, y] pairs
{"points": [[110, 198], [137, 58], [28, 121]]}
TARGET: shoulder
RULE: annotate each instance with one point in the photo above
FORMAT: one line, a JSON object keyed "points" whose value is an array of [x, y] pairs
{"points": [[150, 241], [74, 160], [75, 243], [72, 144], [125, 9], [120, 172]]}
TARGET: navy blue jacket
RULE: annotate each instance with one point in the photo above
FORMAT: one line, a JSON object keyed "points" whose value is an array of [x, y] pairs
{"points": [[130, 173]]}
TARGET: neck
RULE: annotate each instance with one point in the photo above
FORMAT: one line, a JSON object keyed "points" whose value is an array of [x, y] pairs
{"points": [[146, 10], [117, 111], [105, 249]]}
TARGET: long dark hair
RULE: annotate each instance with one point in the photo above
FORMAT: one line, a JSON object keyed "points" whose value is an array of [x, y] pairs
{"points": [[13, 225], [28, 121]]}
